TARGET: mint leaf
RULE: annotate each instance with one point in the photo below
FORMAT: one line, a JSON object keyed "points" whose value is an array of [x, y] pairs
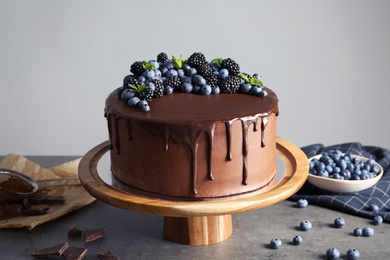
{"points": [[218, 61], [177, 62], [138, 88], [243, 76], [255, 81], [147, 66]]}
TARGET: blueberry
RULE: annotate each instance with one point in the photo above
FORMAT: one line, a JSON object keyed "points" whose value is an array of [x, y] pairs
{"points": [[191, 72], [332, 253], [373, 207], [297, 240], [368, 232], [198, 80], [378, 220], [142, 103], [133, 102], [158, 73], [353, 254], [145, 108], [127, 94], [275, 243], [180, 73], [168, 90], [149, 74], [339, 222], [169, 64], [215, 90], [155, 63], [205, 89], [245, 88], [302, 203], [196, 89], [187, 87], [357, 232], [223, 73], [171, 72], [305, 225]]}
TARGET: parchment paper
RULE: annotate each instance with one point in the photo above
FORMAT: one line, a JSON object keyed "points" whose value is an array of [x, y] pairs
{"points": [[75, 196]]}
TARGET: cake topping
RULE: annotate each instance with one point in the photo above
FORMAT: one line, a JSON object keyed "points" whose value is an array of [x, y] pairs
{"points": [[163, 76]]}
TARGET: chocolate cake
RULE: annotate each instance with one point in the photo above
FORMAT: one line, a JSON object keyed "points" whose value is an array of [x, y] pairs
{"points": [[198, 145]]}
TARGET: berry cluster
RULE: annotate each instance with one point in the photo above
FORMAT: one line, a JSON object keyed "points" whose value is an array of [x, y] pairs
{"points": [[334, 164], [163, 76]]}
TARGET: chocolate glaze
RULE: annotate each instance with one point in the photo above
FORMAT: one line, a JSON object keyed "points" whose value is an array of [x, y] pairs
{"points": [[184, 118]]}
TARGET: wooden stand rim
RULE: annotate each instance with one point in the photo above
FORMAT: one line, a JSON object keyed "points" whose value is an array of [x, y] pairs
{"points": [[297, 168]]}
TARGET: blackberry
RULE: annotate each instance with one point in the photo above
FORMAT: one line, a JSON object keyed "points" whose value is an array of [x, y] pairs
{"points": [[130, 80], [136, 68], [212, 80], [146, 94], [231, 66], [230, 84], [158, 88], [162, 57], [196, 59], [205, 70], [174, 82]]}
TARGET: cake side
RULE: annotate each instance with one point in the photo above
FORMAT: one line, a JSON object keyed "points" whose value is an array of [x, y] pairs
{"points": [[225, 146]]}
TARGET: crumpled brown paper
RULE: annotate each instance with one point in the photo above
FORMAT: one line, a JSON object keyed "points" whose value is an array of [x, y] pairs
{"points": [[75, 196]]}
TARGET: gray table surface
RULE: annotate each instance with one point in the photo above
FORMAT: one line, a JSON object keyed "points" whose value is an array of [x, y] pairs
{"points": [[140, 236]]}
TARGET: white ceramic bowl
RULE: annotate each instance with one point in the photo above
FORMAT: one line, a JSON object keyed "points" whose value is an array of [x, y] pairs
{"points": [[336, 185]]}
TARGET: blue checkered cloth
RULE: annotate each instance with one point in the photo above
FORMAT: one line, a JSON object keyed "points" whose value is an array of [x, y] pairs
{"points": [[356, 203]]}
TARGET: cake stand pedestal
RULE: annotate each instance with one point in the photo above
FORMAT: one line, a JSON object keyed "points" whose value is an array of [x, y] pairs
{"points": [[194, 222]]}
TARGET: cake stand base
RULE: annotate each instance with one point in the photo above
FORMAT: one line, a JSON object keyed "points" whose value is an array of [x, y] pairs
{"points": [[198, 230], [194, 222]]}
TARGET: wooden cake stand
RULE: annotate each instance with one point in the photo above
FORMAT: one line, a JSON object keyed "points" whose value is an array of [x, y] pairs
{"points": [[194, 222]]}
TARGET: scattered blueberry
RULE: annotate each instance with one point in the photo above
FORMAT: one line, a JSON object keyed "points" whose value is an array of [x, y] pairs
{"points": [[357, 232], [339, 222], [302, 203], [275, 243], [378, 220], [297, 240], [373, 207], [353, 254], [332, 253], [305, 225], [368, 232]]}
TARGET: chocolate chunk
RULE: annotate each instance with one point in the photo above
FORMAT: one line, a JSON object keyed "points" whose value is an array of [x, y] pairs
{"points": [[35, 211], [107, 255], [94, 234], [74, 253], [74, 230], [50, 251], [55, 200], [39, 198]]}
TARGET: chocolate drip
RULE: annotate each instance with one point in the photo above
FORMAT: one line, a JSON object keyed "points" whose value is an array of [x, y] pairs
{"points": [[117, 145], [245, 123], [129, 130], [264, 122], [228, 127]]}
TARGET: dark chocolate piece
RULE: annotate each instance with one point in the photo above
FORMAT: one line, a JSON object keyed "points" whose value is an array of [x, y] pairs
{"points": [[74, 253], [107, 255], [35, 211], [74, 230], [55, 200], [39, 198], [94, 234], [50, 251]]}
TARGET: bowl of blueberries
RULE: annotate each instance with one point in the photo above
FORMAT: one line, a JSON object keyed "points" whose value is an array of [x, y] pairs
{"points": [[336, 171]]}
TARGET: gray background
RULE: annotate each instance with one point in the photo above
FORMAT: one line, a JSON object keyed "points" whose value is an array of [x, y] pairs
{"points": [[328, 61]]}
